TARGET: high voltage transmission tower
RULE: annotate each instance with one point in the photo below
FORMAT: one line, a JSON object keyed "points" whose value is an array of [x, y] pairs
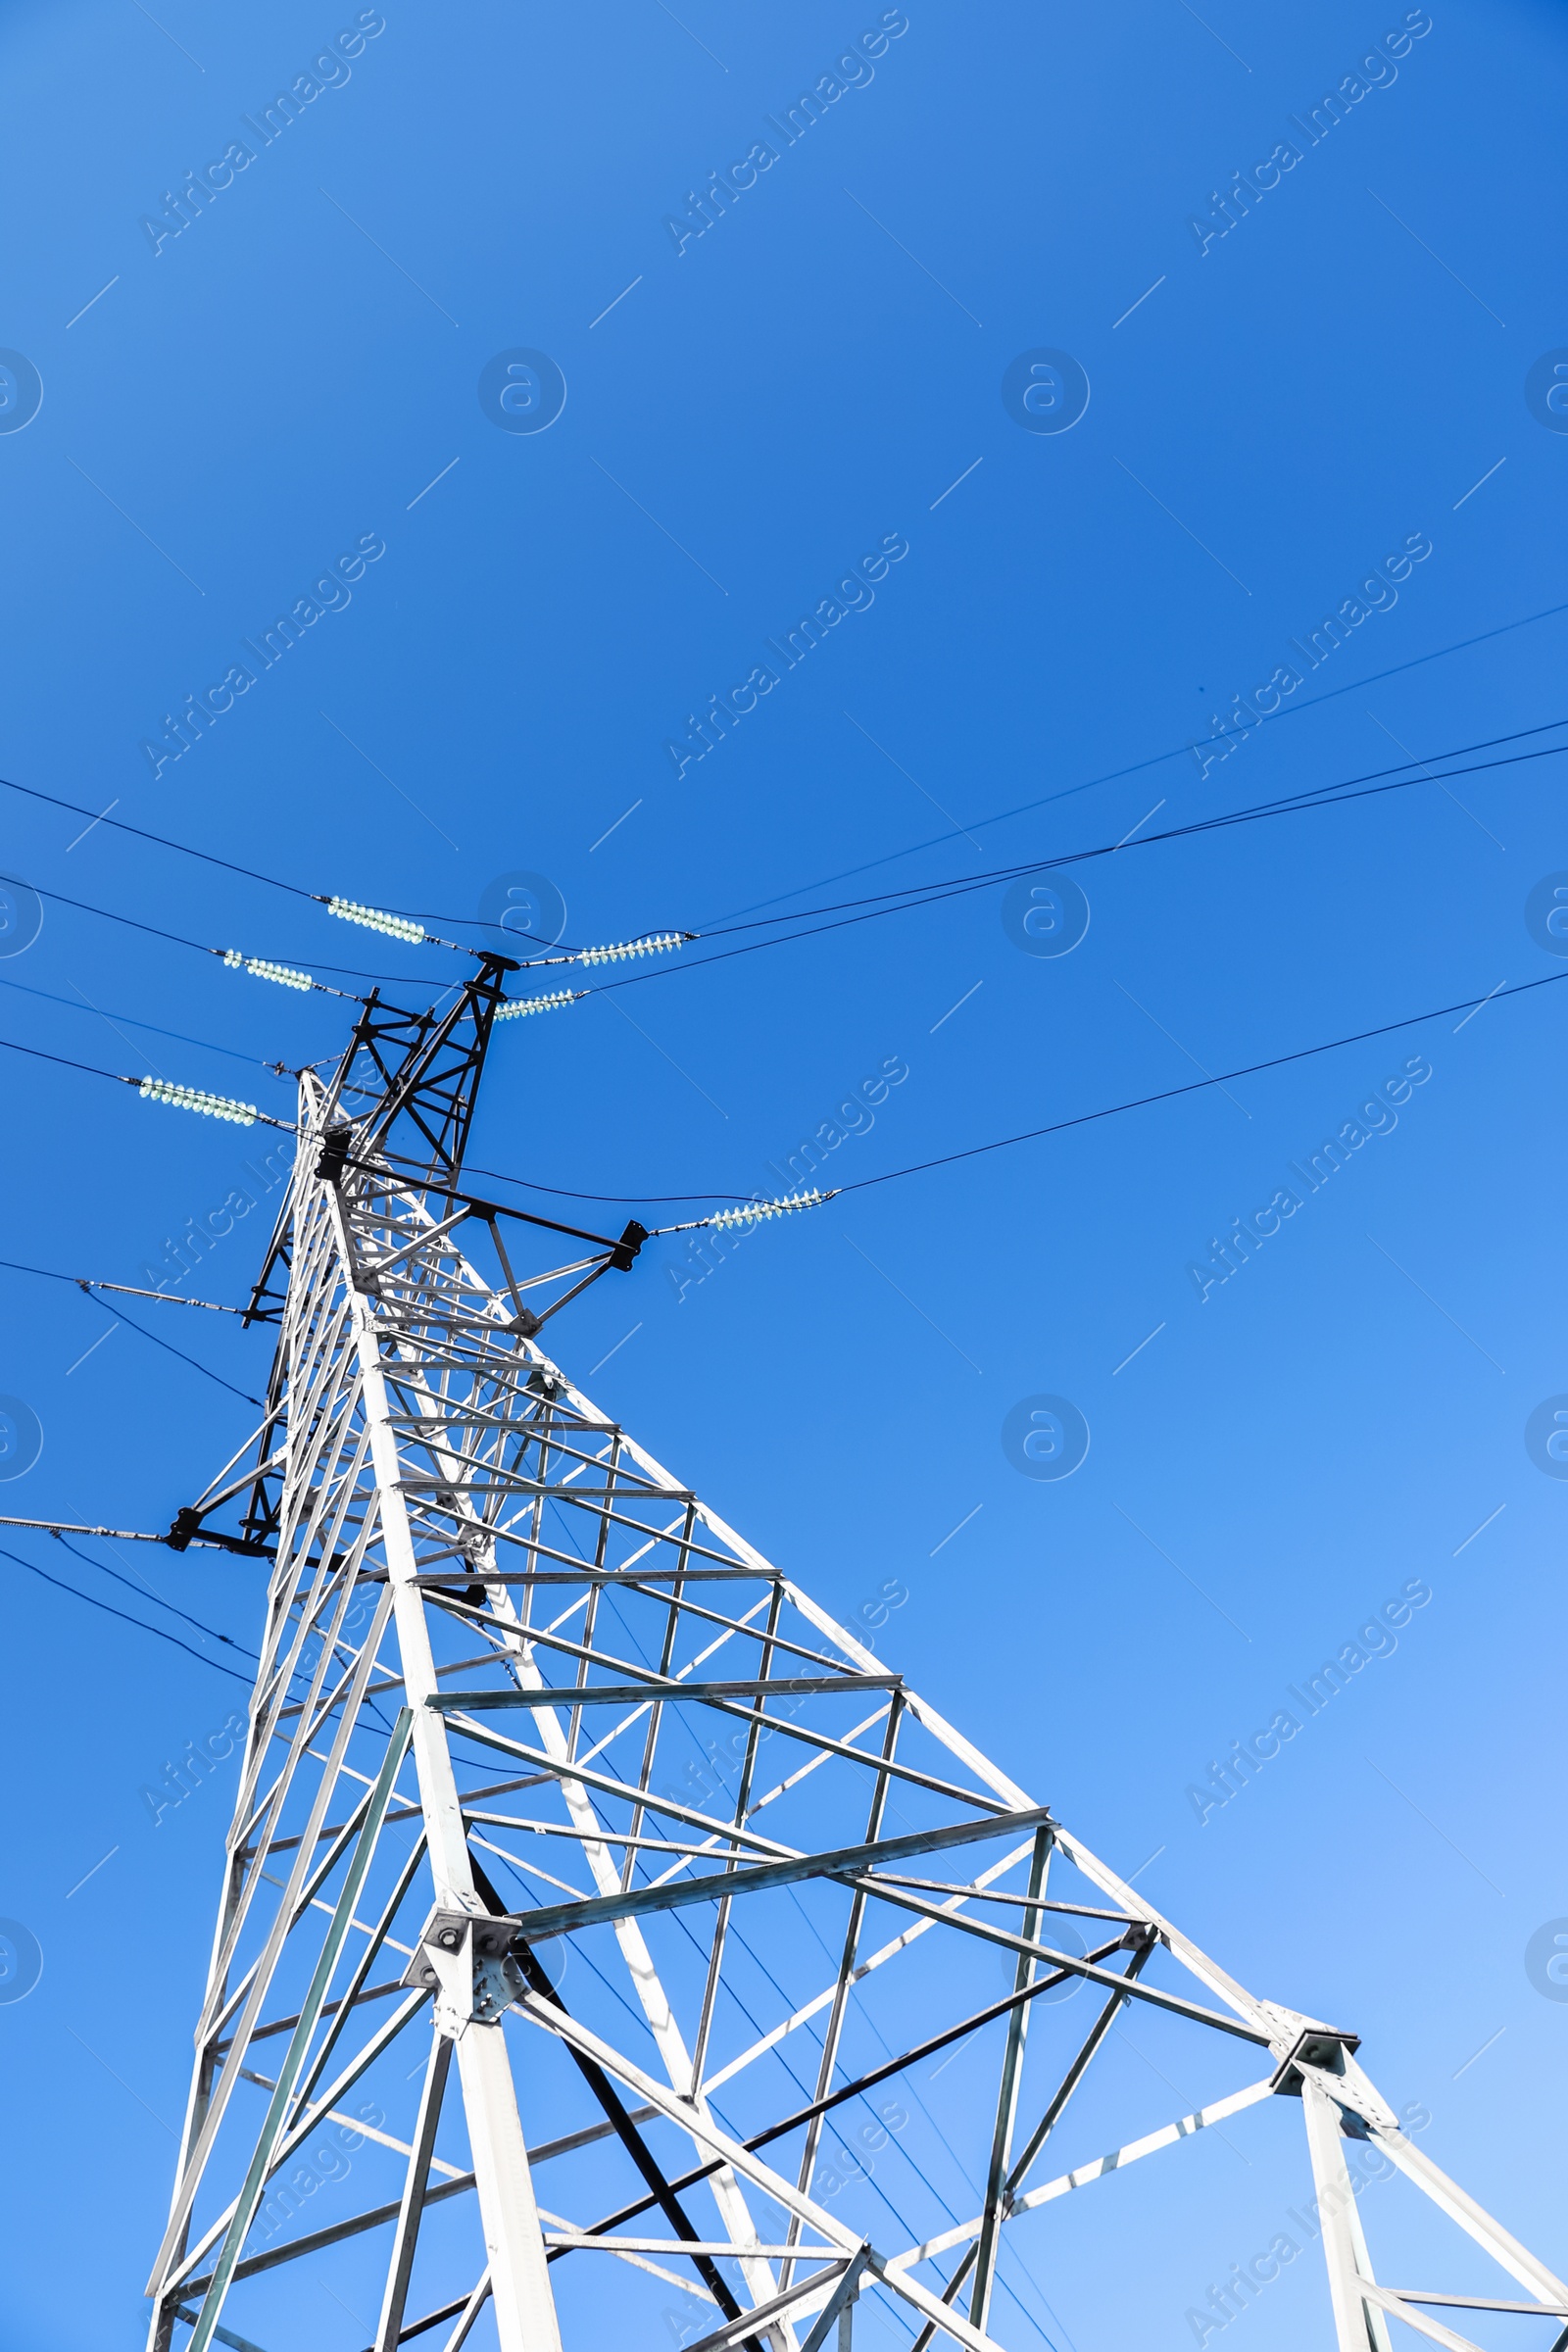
{"points": [[772, 1924]]}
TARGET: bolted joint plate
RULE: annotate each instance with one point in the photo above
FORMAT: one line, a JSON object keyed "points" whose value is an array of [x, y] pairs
{"points": [[1319, 2046], [497, 1982], [445, 1931]]}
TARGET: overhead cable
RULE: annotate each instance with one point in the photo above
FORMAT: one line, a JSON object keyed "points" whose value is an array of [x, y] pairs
{"points": [[129, 1289], [1199, 1086], [170, 1348], [1265, 718], [850, 914], [80, 1003], [143, 1593], [1086, 1119], [1137, 767], [124, 1616]]}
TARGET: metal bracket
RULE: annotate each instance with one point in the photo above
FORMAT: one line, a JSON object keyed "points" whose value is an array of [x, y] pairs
{"points": [[1319, 2045], [626, 1248], [497, 1981], [334, 1152], [444, 1931]]}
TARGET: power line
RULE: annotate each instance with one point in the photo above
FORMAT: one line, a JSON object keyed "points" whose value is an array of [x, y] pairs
{"points": [[92, 1282], [850, 914], [919, 1167], [1200, 1085], [204, 1044], [1156, 759], [1319, 797], [91, 1287], [168, 1346], [209, 857], [252, 873], [118, 1078], [142, 1593], [126, 1618], [1196, 1086], [854, 911], [119, 825], [178, 939]]}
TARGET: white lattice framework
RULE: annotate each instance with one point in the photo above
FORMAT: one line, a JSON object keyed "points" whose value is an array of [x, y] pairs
{"points": [[754, 1884]]}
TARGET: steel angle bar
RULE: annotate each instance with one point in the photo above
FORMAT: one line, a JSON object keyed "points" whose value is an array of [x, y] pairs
{"points": [[930, 2308], [507, 1533], [1022, 1902], [1056, 2104], [713, 1846], [642, 2156], [1423, 2294], [728, 2153], [209, 2099], [1358, 2320], [858, 2088], [225, 2336], [604, 1784], [833, 2031], [317, 2240], [304, 2121], [625, 1694], [1353, 2092], [1413, 2317], [1007, 2093], [950, 2293], [1079, 1968], [286, 2025], [1004, 1789], [379, 2215], [579, 2241], [305, 1892], [1100, 2168], [838, 1678], [469, 2313], [843, 1862], [877, 1959], [474, 1206], [294, 2059], [415, 2186], [602, 1267], [425, 1239], [808, 1738], [1266, 2015], [723, 2339], [1166, 2136], [838, 2304], [622, 1580]]}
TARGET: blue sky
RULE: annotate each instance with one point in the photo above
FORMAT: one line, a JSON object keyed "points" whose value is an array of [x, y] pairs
{"points": [[528, 621]]}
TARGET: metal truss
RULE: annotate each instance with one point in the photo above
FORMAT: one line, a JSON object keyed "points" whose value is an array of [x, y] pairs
{"points": [[593, 1901]]}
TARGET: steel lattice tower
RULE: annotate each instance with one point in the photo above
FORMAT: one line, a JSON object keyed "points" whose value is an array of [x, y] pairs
{"points": [[500, 1638]]}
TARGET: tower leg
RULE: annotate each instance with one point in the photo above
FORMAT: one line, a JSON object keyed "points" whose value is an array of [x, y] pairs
{"points": [[1359, 2327]]}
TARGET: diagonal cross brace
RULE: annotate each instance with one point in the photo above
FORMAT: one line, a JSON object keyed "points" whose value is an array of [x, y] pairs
{"points": [[300, 2039]]}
